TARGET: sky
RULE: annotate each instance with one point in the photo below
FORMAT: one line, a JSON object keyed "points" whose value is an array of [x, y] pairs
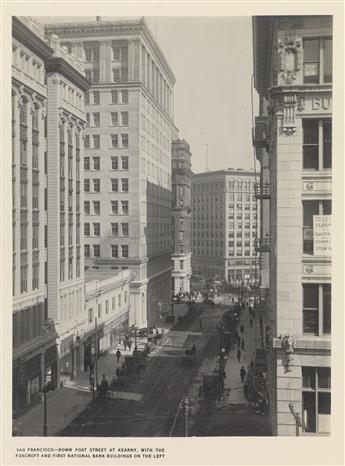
{"points": [[211, 58]]}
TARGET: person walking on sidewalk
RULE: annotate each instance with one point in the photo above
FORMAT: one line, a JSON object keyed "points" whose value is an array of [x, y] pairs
{"points": [[239, 355], [242, 374], [242, 344], [118, 354], [92, 382]]}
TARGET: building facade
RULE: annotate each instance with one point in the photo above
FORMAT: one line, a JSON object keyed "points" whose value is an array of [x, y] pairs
{"points": [[127, 161], [293, 140], [47, 91], [181, 216], [224, 227], [107, 308]]}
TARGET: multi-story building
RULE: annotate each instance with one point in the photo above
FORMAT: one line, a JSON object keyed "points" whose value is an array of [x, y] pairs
{"points": [[47, 118], [127, 161], [293, 140], [181, 216], [224, 225], [107, 309]]}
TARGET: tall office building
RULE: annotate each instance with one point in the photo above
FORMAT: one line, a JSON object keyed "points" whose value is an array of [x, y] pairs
{"points": [[127, 161], [293, 140], [47, 119], [181, 216], [224, 225]]}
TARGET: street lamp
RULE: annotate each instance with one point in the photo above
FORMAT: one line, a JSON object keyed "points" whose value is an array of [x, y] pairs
{"points": [[45, 389]]}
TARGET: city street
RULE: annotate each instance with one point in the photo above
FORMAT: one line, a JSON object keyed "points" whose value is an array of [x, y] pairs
{"points": [[149, 405]]}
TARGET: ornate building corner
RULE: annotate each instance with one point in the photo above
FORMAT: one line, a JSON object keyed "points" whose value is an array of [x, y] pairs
{"points": [[289, 58]]}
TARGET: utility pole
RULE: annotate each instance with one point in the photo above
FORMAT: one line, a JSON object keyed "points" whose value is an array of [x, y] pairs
{"points": [[186, 410], [96, 354]]}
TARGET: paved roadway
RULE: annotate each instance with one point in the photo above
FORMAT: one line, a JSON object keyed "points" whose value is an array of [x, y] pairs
{"points": [[153, 397]]}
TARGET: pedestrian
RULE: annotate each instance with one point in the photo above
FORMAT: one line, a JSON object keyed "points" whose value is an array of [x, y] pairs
{"points": [[242, 329], [104, 388], [200, 324], [129, 344], [92, 382], [239, 355], [242, 374], [118, 354], [245, 389], [251, 322], [124, 344], [242, 344]]}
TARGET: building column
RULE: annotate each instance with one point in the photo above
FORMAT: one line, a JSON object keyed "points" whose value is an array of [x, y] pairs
{"points": [[16, 194], [104, 61]]}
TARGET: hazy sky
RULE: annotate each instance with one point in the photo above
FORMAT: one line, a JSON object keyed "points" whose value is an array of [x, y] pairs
{"points": [[211, 58]]}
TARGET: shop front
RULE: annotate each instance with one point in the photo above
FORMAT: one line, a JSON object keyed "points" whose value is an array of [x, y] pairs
{"points": [[26, 383]]}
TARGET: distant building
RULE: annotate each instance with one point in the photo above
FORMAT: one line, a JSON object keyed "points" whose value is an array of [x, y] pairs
{"points": [[181, 216], [127, 163], [107, 308], [47, 121], [224, 225], [293, 141]]}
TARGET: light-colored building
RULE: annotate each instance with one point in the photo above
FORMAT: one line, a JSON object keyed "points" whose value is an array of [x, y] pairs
{"points": [[224, 227], [47, 119], [107, 308], [127, 163], [293, 140], [181, 216]]}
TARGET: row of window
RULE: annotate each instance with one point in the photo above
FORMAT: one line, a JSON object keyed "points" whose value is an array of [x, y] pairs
{"points": [[117, 229], [117, 97], [116, 207], [116, 185], [117, 141], [114, 163], [93, 119], [106, 306], [317, 144], [119, 74], [115, 250]]}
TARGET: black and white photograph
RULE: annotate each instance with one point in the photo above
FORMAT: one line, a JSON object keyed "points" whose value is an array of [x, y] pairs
{"points": [[171, 231]]}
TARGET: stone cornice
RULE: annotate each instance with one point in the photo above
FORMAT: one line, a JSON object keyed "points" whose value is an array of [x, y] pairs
{"points": [[59, 65], [94, 29], [31, 40]]}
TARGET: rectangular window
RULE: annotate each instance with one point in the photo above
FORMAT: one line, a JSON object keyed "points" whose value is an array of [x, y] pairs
{"points": [[114, 185], [86, 163], [99, 310], [124, 139], [124, 249], [86, 229], [124, 229], [96, 229], [124, 118], [316, 399], [124, 97], [114, 119], [124, 185], [311, 208], [327, 143], [124, 163], [95, 120], [87, 142], [96, 163], [114, 97], [107, 307], [86, 185], [96, 250], [311, 309], [87, 207], [114, 163], [115, 207], [114, 250], [90, 315], [311, 144], [86, 250], [96, 207], [96, 185], [96, 98], [96, 141], [317, 61], [114, 141], [115, 229], [124, 207]]}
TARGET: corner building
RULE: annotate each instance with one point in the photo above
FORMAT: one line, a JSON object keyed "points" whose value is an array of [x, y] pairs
{"points": [[47, 120], [127, 162], [293, 140], [224, 225], [181, 216]]}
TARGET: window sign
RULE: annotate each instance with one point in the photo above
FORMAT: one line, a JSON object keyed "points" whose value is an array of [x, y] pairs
{"points": [[322, 235]]}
